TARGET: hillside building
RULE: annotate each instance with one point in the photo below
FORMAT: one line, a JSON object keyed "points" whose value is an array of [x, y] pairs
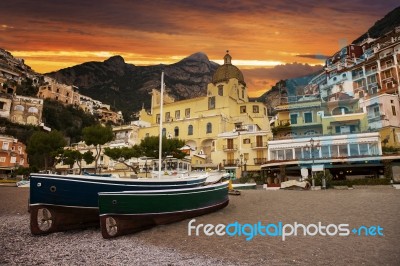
{"points": [[345, 118], [12, 155]]}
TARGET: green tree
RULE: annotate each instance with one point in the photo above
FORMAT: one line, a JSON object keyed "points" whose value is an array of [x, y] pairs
{"points": [[42, 148], [97, 136], [149, 147], [123, 154], [70, 157]]}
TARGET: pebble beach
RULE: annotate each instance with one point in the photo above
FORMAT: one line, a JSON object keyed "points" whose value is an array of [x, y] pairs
{"points": [[171, 244]]}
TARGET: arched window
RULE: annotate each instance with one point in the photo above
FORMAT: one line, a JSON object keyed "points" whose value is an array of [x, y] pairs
{"points": [[164, 132], [311, 132], [190, 130], [33, 110], [341, 110], [209, 128], [176, 131], [19, 108]]}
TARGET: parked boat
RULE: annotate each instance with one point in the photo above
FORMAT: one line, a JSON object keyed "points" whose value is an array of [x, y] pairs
{"points": [[23, 183], [244, 186], [132, 211], [59, 203]]}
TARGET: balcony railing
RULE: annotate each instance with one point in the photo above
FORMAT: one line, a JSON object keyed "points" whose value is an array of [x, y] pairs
{"points": [[258, 161], [229, 147], [371, 71], [386, 66], [257, 145], [229, 162]]}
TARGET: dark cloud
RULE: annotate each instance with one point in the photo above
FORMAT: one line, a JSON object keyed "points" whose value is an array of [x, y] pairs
{"points": [[176, 16], [279, 72], [314, 56], [259, 80]]}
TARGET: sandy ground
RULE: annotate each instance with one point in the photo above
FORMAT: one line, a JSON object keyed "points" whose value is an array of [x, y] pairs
{"points": [[171, 245]]}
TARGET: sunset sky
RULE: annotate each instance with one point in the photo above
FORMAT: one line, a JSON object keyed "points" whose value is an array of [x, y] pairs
{"points": [[268, 40]]}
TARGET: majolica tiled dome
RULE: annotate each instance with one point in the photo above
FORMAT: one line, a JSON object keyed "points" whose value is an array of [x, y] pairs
{"points": [[227, 71]]}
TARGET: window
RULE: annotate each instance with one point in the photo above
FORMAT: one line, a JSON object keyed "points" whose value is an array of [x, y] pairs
{"points": [[209, 128], [376, 111], [363, 148], [5, 146], [343, 150], [246, 141], [242, 93], [325, 151], [221, 90], [308, 117], [293, 119], [176, 131], [21, 161], [387, 74], [2, 159], [158, 118], [19, 108], [167, 116], [256, 109], [2, 104], [242, 109], [190, 130], [187, 112], [177, 114], [310, 133], [33, 110], [58, 90], [164, 132], [67, 94], [354, 150], [393, 110], [371, 79], [211, 102], [13, 159]]}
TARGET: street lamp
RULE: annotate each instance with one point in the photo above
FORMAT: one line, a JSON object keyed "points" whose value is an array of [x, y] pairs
{"points": [[242, 162]]}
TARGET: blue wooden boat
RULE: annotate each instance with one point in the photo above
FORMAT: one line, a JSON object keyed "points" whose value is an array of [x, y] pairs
{"points": [[63, 202], [131, 211]]}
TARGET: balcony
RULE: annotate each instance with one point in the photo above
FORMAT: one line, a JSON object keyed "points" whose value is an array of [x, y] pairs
{"points": [[285, 122], [384, 67], [259, 145], [258, 161], [229, 147], [370, 71], [229, 162]]}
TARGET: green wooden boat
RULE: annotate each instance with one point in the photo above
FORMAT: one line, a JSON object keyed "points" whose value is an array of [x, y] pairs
{"points": [[132, 211]]}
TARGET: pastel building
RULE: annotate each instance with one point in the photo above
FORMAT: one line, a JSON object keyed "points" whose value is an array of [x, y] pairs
{"points": [[345, 119], [12, 155], [224, 125]]}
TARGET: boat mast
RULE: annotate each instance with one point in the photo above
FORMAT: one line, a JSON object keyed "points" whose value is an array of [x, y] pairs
{"points": [[161, 122]]}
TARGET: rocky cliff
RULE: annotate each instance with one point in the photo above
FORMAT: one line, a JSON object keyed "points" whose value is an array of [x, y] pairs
{"points": [[126, 87]]}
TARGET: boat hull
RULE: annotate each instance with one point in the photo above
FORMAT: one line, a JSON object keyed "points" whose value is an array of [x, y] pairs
{"points": [[129, 212], [73, 200]]}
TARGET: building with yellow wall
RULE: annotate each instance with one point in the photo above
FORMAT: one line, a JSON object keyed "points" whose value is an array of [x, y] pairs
{"points": [[215, 125]]}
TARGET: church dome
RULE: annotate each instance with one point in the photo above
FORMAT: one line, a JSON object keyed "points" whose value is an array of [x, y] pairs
{"points": [[227, 71]]}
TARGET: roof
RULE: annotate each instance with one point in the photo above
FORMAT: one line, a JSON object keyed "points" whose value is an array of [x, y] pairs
{"points": [[228, 71]]}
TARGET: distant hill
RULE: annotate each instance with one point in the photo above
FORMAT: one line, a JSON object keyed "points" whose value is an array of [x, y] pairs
{"points": [[382, 26], [126, 87]]}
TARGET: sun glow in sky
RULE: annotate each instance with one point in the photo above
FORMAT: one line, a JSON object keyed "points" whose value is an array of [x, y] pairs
{"points": [[268, 40]]}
